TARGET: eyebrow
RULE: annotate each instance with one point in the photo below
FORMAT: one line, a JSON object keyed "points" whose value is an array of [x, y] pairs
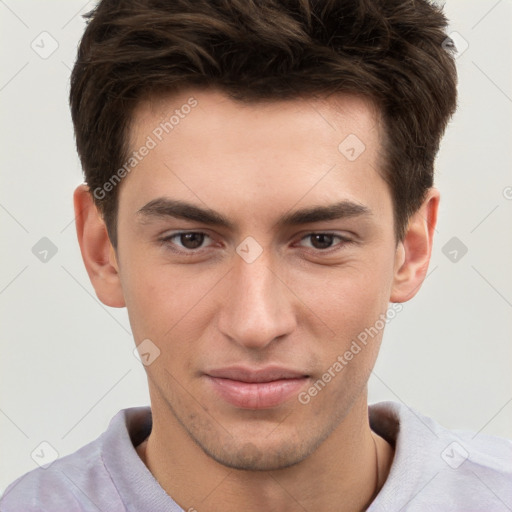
{"points": [[166, 207], [341, 210]]}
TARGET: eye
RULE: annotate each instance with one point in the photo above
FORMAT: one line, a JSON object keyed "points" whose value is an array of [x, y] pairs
{"points": [[323, 241], [188, 240]]}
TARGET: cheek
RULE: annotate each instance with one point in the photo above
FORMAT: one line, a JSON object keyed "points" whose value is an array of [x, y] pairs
{"points": [[354, 307], [348, 299], [165, 303]]}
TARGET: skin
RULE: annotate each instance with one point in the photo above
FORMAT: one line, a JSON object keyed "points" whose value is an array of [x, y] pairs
{"points": [[296, 305]]}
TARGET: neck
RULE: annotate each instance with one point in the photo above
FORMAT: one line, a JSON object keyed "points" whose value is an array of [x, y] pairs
{"points": [[344, 474]]}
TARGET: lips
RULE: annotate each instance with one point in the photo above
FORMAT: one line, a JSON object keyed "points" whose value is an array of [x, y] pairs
{"points": [[261, 388], [256, 375]]}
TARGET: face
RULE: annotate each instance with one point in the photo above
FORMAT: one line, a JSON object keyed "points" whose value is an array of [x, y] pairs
{"points": [[252, 246]]}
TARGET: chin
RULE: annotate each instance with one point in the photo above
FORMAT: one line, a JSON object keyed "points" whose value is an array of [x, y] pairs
{"points": [[254, 456]]}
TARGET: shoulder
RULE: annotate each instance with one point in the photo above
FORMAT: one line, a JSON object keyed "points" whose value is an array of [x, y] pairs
{"points": [[63, 485], [80, 481], [437, 467]]}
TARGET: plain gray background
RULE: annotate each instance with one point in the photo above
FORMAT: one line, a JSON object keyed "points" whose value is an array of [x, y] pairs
{"points": [[67, 364]]}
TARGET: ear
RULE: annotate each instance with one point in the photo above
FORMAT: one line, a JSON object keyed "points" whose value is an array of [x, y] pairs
{"points": [[97, 252], [413, 253]]}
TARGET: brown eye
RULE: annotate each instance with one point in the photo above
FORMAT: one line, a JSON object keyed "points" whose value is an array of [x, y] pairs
{"points": [[321, 240], [187, 241], [191, 240]]}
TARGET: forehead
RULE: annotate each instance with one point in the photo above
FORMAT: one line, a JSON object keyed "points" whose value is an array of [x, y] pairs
{"points": [[207, 147], [337, 111]]}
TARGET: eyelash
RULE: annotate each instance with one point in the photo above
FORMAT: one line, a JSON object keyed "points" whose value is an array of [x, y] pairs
{"points": [[343, 241], [167, 241]]}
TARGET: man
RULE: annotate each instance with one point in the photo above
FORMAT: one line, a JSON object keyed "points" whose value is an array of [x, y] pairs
{"points": [[260, 197]]}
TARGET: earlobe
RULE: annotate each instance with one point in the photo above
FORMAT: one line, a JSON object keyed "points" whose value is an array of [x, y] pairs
{"points": [[413, 253], [97, 252]]}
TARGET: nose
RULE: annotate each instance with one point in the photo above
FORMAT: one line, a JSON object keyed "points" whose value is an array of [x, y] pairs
{"points": [[258, 307]]}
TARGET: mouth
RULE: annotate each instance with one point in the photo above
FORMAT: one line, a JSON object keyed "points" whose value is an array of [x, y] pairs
{"points": [[262, 388]]}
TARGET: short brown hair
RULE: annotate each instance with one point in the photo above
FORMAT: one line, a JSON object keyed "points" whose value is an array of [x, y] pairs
{"points": [[395, 52]]}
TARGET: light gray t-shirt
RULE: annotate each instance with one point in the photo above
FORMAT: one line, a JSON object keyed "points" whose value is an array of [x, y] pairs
{"points": [[434, 469]]}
